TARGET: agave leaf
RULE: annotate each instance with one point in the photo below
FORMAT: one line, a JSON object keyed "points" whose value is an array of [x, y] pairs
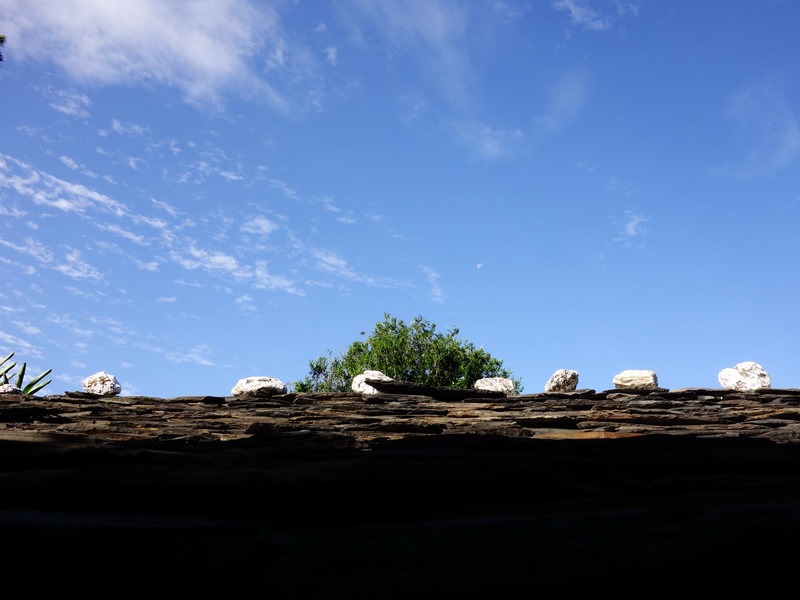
{"points": [[6, 369], [27, 389], [21, 375], [31, 389], [6, 358]]}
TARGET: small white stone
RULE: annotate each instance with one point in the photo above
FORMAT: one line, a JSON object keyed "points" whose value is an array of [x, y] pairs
{"points": [[258, 386], [563, 380], [745, 376], [636, 379], [361, 387], [496, 384], [102, 384], [7, 388]]}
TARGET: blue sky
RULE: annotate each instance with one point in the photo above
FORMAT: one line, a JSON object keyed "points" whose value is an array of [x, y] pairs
{"points": [[196, 192]]}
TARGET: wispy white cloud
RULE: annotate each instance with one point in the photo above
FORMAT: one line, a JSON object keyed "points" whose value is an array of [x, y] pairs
{"points": [[21, 347], [486, 142], [12, 211], [198, 355], [246, 303], [191, 257], [413, 106], [47, 190], [193, 284], [511, 9], [214, 262], [121, 231], [258, 225], [33, 248], [77, 268], [169, 209], [435, 292], [70, 103], [27, 328], [434, 31], [765, 131], [127, 128], [135, 162], [633, 227], [72, 164], [333, 263], [287, 191], [24, 268], [327, 203], [151, 265], [230, 175], [567, 98], [634, 224], [71, 325], [266, 280], [619, 186], [151, 42], [582, 14], [627, 8], [331, 55]]}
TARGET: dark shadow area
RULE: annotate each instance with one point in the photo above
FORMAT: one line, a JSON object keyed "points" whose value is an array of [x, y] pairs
{"points": [[302, 515]]}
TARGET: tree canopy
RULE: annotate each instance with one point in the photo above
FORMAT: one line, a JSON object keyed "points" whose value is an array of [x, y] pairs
{"points": [[413, 352]]}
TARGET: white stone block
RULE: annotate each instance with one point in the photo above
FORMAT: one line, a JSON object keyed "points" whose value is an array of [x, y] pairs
{"points": [[258, 386], [496, 384], [636, 379]]}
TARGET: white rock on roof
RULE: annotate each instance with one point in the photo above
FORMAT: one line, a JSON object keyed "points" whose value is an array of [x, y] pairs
{"points": [[361, 387], [102, 384], [636, 379], [496, 384], [258, 386], [745, 376]]}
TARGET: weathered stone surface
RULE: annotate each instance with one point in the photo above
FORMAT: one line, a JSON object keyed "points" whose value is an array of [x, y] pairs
{"points": [[563, 380], [496, 384], [258, 386], [636, 379], [360, 385], [281, 496], [445, 394], [744, 376], [102, 384]]}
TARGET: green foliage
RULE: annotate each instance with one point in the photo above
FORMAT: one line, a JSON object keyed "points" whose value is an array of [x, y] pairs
{"points": [[413, 352], [32, 386]]}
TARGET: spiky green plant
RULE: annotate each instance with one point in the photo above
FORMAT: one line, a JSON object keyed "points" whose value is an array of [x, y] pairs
{"points": [[32, 386]]}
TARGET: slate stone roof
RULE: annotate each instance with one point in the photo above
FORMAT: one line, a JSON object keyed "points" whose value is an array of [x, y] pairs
{"points": [[414, 492]]}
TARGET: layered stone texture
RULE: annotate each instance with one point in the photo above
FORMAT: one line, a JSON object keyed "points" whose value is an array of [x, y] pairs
{"points": [[409, 491]]}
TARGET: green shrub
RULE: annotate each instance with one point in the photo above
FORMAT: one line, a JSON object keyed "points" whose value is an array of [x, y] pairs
{"points": [[413, 352]]}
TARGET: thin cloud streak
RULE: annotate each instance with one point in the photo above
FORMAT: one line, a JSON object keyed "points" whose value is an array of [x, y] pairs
{"points": [[435, 292], [435, 31]]}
